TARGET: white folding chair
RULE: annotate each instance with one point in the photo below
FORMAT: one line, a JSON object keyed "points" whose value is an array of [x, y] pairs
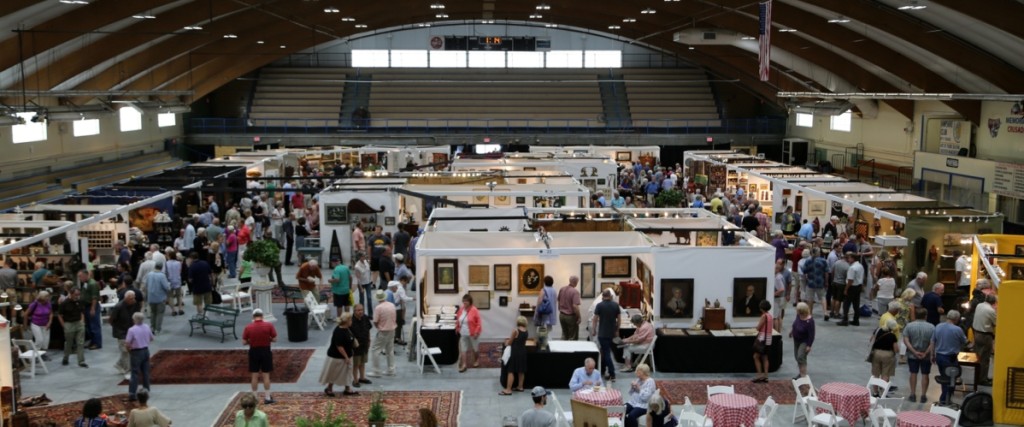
{"points": [[950, 413], [31, 354], [689, 409], [317, 311], [111, 300], [618, 410], [720, 389], [767, 413], [880, 383], [827, 417], [649, 354], [692, 419], [422, 349], [890, 406], [801, 399], [235, 296], [878, 418]]}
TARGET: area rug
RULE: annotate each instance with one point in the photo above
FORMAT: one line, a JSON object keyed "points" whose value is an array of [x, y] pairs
{"points": [[490, 355], [697, 390], [65, 414], [222, 366], [402, 407]]}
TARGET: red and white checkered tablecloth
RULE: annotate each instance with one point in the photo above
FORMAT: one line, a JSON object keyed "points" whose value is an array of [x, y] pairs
{"points": [[731, 410], [921, 419], [851, 401], [605, 397]]}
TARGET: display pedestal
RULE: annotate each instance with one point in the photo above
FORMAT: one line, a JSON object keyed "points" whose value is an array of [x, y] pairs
{"points": [[261, 297]]}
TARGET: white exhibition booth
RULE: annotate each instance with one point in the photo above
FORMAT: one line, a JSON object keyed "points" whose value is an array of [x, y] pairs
{"points": [[595, 173]]}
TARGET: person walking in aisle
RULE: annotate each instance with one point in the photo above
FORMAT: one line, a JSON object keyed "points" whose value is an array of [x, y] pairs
{"points": [[91, 302], [361, 326], [361, 276], [288, 229], [947, 341], [72, 319], [341, 286], [852, 291], [258, 335], [384, 319], [606, 323], [137, 342], [121, 320], [339, 365], [157, 288], [920, 351], [39, 316]]}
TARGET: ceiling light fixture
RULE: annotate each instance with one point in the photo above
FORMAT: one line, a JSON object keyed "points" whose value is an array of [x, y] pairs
{"points": [[193, 28], [437, 6], [283, 46], [914, 5], [360, 25], [348, 19], [839, 20], [230, 36], [648, 11], [667, 1], [536, 16], [747, 38], [628, 20], [787, 30], [74, 2], [423, 24], [144, 16], [441, 15], [543, 6], [486, 21], [550, 25], [691, 48], [331, 10], [614, 27], [259, 41]]}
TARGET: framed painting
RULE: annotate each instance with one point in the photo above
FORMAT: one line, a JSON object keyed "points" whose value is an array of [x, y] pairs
{"points": [[624, 156], [707, 238], [503, 301], [1018, 250], [1016, 271], [479, 275], [502, 200], [588, 279], [520, 200], [481, 299], [389, 220], [502, 277], [676, 298], [747, 294], [335, 214], [616, 266], [817, 208], [531, 278], [446, 276], [481, 199], [607, 285]]}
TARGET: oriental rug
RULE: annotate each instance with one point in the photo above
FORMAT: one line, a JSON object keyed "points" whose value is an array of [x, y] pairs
{"points": [[490, 355], [402, 407], [222, 366], [697, 390], [65, 414]]}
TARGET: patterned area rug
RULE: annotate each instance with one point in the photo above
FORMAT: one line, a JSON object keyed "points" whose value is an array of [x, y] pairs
{"points": [[222, 366], [402, 407], [490, 355], [65, 414], [780, 390]]}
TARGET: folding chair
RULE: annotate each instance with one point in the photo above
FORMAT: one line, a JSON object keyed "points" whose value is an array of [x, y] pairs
{"points": [[32, 355], [692, 419], [317, 311], [950, 413], [649, 354], [422, 349], [767, 413], [889, 406], [880, 383], [827, 417], [720, 389], [236, 296], [801, 399], [878, 418]]}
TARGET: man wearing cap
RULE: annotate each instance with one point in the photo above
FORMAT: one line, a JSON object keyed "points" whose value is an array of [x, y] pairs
{"points": [[397, 296], [258, 335], [401, 269], [341, 285], [537, 416], [384, 315]]}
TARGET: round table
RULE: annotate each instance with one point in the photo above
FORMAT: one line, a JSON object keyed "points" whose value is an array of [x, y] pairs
{"points": [[851, 401], [606, 397], [731, 410], [921, 419]]}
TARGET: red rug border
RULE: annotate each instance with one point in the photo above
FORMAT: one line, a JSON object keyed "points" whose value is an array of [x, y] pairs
{"points": [[304, 367]]}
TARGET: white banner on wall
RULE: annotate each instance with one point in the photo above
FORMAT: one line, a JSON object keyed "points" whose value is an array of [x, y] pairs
{"points": [[954, 135]]}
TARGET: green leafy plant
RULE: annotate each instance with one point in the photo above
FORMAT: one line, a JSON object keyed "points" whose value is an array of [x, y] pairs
{"points": [[377, 412], [264, 252], [328, 420], [669, 199]]}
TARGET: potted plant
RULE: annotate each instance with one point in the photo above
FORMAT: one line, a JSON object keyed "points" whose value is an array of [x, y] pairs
{"points": [[377, 416], [328, 420], [264, 254], [668, 199]]}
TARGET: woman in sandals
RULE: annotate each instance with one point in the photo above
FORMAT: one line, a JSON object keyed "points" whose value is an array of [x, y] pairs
{"points": [[516, 365]]}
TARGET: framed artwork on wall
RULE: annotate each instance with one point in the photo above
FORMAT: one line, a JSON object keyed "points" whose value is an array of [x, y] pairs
{"points": [[503, 277], [502, 301], [624, 156], [747, 294], [481, 299], [389, 220], [616, 266], [446, 276], [502, 200], [479, 275], [676, 298], [1016, 271], [607, 285], [335, 214], [531, 278], [588, 279], [817, 207]]}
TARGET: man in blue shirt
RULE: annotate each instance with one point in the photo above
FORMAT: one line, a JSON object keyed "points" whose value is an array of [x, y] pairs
{"points": [[806, 231], [585, 377], [932, 301], [157, 288], [948, 340]]}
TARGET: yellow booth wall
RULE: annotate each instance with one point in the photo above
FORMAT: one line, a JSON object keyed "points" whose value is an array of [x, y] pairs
{"points": [[1009, 348]]}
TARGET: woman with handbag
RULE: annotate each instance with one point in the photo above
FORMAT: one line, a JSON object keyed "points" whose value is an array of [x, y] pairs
{"points": [[762, 342], [884, 347], [339, 363]]}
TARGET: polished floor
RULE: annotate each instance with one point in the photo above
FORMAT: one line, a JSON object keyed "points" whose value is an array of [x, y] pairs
{"points": [[838, 355]]}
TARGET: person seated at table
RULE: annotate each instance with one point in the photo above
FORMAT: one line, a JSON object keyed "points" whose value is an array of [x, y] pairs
{"points": [[637, 343], [585, 377], [659, 412], [640, 392]]}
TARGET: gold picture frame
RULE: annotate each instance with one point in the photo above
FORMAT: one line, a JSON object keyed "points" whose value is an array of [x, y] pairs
{"points": [[479, 275], [531, 278]]}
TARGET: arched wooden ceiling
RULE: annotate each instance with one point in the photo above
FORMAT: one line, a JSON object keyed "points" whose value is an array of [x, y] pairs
{"points": [[55, 48]]}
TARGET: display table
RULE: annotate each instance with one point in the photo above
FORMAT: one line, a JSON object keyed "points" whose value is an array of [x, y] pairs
{"points": [[731, 409], [262, 291], [445, 339], [709, 354], [921, 419], [554, 368], [851, 401], [606, 397]]}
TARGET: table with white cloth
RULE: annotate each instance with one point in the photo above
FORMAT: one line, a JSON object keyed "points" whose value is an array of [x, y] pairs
{"points": [[731, 409], [606, 397], [921, 419], [851, 401]]}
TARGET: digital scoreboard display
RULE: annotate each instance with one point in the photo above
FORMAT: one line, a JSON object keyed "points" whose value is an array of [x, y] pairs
{"points": [[497, 43]]}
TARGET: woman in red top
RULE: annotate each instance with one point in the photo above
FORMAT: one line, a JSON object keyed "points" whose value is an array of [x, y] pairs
{"points": [[469, 328]]}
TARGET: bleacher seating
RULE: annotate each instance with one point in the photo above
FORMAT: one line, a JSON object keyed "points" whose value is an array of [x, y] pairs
{"points": [[298, 97], [670, 97]]}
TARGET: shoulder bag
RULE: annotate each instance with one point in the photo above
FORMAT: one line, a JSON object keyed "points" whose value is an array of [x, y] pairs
{"points": [[761, 345]]}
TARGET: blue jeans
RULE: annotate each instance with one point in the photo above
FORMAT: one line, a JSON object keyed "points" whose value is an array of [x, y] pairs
{"points": [[140, 371], [633, 414], [366, 299], [944, 361], [606, 357], [232, 264], [92, 327]]}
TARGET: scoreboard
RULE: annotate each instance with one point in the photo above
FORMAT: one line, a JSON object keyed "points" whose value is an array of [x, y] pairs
{"points": [[496, 43]]}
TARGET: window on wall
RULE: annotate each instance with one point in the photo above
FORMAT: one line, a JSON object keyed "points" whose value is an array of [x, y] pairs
{"points": [[370, 58], [805, 120], [85, 127], [130, 118], [484, 59], [526, 60], [602, 59], [30, 131], [409, 58], [166, 120], [447, 59], [565, 59], [842, 122]]}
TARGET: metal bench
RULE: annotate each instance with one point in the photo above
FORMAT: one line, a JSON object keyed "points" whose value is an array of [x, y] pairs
{"points": [[222, 323]]}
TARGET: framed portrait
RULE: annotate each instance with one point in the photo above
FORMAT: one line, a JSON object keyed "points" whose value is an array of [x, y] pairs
{"points": [[335, 214], [529, 169], [1018, 250], [503, 277], [624, 156], [389, 220], [446, 276], [677, 298], [521, 181], [531, 278], [588, 279], [1016, 271], [752, 190], [479, 275], [616, 266], [481, 299], [817, 207], [503, 301], [747, 294]]}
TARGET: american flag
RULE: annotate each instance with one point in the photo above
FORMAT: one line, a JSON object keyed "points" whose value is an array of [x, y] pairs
{"points": [[764, 32]]}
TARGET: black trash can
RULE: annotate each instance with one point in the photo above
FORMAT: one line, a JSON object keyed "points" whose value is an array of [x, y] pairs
{"points": [[298, 323]]}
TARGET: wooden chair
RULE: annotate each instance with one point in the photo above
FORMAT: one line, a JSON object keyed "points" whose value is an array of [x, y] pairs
{"points": [[767, 413], [32, 355], [827, 415], [950, 413], [801, 399], [317, 311], [720, 389]]}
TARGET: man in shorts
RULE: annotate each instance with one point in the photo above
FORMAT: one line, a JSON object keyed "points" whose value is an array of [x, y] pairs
{"points": [[341, 286], [815, 270], [361, 326], [838, 285], [917, 336], [200, 279], [258, 335]]}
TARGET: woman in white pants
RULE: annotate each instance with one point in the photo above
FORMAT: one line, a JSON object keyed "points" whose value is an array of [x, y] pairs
{"points": [[40, 315]]}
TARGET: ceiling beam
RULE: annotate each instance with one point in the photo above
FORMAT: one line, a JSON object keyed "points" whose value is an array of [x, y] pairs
{"points": [[1002, 14], [8, 7]]}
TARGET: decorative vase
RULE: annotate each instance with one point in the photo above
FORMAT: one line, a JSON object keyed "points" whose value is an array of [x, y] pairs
{"points": [[718, 304]]}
